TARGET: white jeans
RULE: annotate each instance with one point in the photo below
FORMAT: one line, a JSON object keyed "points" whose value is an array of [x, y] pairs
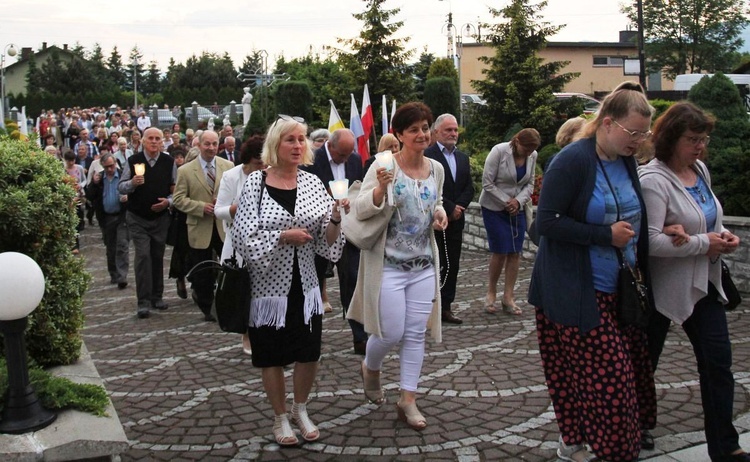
{"points": [[405, 306]]}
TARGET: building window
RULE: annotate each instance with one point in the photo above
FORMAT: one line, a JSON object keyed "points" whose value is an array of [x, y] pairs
{"points": [[608, 61]]}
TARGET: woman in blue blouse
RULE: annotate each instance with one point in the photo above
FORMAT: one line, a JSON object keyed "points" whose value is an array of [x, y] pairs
{"points": [[590, 210]]}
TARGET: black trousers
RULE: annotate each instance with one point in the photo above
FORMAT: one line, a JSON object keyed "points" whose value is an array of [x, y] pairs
{"points": [[203, 281], [450, 245]]}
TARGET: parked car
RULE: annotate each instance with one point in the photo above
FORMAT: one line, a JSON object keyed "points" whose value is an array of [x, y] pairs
{"points": [[166, 118], [590, 105], [203, 114], [472, 98], [228, 110]]}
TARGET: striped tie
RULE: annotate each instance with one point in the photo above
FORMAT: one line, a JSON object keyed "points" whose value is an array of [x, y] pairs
{"points": [[210, 177]]}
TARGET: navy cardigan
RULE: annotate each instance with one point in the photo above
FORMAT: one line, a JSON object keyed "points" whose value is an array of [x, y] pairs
{"points": [[562, 284]]}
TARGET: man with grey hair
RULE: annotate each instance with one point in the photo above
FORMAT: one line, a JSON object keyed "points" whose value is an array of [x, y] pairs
{"points": [[230, 152], [336, 160], [109, 206], [458, 191]]}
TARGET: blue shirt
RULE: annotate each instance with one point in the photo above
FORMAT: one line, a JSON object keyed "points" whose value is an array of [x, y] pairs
{"points": [[110, 195], [602, 209], [701, 193]]}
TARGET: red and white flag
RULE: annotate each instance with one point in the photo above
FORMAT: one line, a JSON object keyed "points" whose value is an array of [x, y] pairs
{"points": [[384, 118], [393, 111], [368, 123]]}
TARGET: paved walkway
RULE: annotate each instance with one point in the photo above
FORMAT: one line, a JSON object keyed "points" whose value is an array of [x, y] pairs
{"points": [[185, 391]]}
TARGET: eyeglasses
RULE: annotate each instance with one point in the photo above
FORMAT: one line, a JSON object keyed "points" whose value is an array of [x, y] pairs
{"points": [[290, 118], [635, 135], [698, 140]]}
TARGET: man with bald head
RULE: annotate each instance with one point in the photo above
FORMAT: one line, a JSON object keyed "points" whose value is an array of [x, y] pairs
{"points": [[336, 160], [149, 196], [195, 195]]}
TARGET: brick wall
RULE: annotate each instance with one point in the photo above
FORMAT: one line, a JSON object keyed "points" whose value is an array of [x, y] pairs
{"points": [[738, 262]]}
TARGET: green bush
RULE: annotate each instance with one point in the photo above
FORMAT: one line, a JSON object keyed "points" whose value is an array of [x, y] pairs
{"points": [[660, 105], [727, 159], [37, 218], [294, 98], [545, 154], [441, 96]]}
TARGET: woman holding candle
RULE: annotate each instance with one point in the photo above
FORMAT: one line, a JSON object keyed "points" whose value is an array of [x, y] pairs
{"points": [[397, 289], [284, 218]]}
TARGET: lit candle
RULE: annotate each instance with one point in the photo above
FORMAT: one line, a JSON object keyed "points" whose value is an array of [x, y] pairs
{"points": [[339, 188], [140, 169], [385, 159]]}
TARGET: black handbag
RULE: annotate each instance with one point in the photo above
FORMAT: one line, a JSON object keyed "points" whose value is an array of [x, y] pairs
{"points": [[232, 298], [730, 290], [633, 307]]}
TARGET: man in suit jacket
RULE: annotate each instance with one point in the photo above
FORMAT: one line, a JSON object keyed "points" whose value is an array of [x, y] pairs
{"points": [[458, 191], [336, 160], [195, 194], [230, 152]]}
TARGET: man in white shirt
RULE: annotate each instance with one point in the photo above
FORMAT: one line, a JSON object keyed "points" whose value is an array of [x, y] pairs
{"points": [[143, 122]]}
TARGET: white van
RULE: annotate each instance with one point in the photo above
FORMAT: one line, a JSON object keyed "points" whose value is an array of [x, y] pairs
{"points": [[684, 82]]}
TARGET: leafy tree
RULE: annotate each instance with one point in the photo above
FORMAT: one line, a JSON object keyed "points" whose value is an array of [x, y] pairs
{"points": [[443, 67], [116, 69], [518, 86], [324, 75], [727, 160], [379, 58], [53, 73], [201, 78], [690, 36], [294, 98]]}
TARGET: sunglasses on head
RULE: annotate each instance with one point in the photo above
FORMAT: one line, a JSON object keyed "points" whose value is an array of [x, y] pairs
{"points": [[290, 118]]}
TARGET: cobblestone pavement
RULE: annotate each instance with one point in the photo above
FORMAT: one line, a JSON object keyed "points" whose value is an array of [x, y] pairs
{"points": [[185, 391]]}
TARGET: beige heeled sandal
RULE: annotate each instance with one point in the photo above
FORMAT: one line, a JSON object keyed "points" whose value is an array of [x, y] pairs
{"points": [[308, 429], [371, 383], [410, 415]]}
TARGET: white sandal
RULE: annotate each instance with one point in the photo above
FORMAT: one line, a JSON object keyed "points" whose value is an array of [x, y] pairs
{"points": [[308, 429], [282, 431]]}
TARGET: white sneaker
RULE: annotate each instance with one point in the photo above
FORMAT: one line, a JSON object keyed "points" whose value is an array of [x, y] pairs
{"points": [[575, 453]]}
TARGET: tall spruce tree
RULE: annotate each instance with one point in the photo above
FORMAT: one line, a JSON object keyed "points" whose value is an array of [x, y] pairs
{"points": [[378, 57], [115, 67], [518, 85]]}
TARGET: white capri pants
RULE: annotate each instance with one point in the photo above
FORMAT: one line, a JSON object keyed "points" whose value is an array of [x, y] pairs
{"points": [[405, 306]]}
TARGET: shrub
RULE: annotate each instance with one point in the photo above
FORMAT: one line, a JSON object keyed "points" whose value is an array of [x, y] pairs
{"points": [[545, 154], [660, 105], [37, 218], [727, 155], [294, 98], [441, 95]]}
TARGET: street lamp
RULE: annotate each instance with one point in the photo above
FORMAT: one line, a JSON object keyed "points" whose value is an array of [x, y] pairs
{"points": [[135, 84], [21, 290], [11, 51]]}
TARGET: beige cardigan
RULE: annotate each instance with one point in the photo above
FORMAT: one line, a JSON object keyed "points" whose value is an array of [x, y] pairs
{"points": [[365, 303]]}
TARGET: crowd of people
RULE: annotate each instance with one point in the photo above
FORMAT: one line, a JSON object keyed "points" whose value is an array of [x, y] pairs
{"points": [[622, 194]]}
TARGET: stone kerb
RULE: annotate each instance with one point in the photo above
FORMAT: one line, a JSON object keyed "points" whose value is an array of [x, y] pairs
{"points": [[475, 238], [74, 435]]}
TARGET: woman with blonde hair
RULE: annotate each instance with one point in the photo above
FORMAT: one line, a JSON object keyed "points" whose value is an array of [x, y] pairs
{"points": [[507, 184], [389, 142], [284, 218], [591, 219]]}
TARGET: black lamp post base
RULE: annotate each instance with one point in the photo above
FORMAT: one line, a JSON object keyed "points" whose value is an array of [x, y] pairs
{"points": [[23, 414]]}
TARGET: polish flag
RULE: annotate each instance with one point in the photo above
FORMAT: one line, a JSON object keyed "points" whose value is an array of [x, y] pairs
{"points": [[367, 126]]}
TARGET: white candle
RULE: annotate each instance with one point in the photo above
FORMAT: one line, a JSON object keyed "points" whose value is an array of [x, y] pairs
{"points": [[385, 159], [339, 188], [140, 169]]}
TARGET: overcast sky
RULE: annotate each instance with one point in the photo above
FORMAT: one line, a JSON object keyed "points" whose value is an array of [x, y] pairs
{"points": [[181, 28]]}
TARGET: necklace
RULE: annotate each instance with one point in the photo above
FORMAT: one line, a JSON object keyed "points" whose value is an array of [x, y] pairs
{"points": [[280, 178]]}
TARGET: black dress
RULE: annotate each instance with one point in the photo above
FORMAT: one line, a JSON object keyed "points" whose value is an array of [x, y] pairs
{"points": [[295, 342]]}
